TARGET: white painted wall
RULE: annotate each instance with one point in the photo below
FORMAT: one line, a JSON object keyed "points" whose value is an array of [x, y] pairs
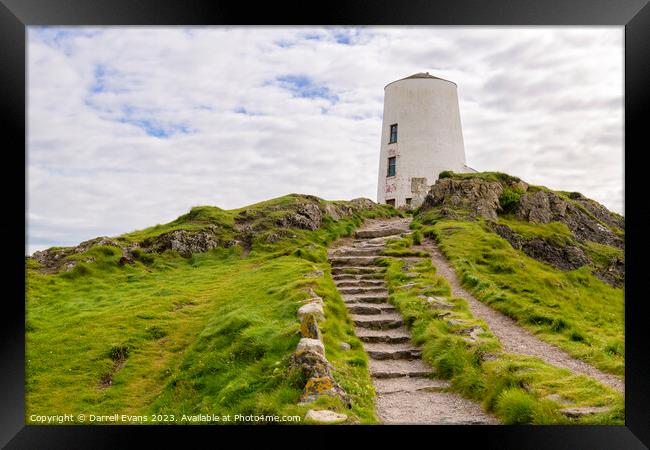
{"points": [[429, 135]]}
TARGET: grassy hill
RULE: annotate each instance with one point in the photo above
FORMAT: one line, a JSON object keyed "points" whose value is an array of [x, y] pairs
{"points": [[560, 274], [209, 333], [198, 316]]}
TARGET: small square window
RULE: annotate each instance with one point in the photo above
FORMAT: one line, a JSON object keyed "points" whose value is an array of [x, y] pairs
{"points": [[408, 202], [391, 202], [392, 166], [393, 134]]}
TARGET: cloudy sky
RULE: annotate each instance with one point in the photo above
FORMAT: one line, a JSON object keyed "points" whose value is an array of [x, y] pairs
{"points": [[130, 127]]}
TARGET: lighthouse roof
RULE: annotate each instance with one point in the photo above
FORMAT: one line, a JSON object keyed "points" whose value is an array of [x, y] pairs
{"points": [[421, 75]]}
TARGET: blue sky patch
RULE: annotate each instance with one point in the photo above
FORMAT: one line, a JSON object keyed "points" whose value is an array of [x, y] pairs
{"points": [[303, 86], [284, 43], [156, 129], [342, 38], [101, 75], [312, 37], [246, 112]]}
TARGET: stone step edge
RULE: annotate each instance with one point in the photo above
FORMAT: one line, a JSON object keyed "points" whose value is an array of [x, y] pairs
{"points": [[411, 374]]}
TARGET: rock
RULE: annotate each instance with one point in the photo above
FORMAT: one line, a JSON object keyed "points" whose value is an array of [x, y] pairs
{"points": [[311, 363], [560, 255], [545, 206], [520, 185], [613, 274], [54, 259], [586, 219], [309, 327], [470, 333], [308, 216], [315, 299], [344, 346], [362, 203], [437, 302], [478, 196], [314, 274], [484, 356], [456, 322], [325, 416], [323, 385], [102, 240], [125, 260], [310, 345], [578, 412], [185, 242], [338, 211], [313, 308]]}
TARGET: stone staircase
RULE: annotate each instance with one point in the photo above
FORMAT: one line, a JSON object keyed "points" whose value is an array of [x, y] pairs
{"points": [[401, 379]]}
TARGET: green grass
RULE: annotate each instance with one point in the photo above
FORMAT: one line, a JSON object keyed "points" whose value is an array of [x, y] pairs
{"points": [[515, 388], [602, 255], [486, 176], [573, 310], [208, 334]]}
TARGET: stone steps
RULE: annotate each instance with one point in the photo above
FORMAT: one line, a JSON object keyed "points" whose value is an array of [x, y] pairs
{"points": [[415, 368], [395, 385], [383, 351], [375, 290], [365, 244], [403, 382], [381, 322], [350, 270], [363, 251], [394, 336], [369, 234], [353, 261], [373, 276], [373, 298], [359, 283], [370, 308]]}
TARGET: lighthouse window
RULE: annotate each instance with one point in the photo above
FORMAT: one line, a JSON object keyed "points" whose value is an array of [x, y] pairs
{"points": [[392, 163], [393, 133]]}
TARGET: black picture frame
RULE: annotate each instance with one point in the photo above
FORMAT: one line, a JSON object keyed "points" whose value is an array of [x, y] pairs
{"points": [[16, 15]]}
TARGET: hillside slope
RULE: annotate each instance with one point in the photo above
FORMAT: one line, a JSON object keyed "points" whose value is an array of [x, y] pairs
{"points": [[552, 260], [197, 316]]}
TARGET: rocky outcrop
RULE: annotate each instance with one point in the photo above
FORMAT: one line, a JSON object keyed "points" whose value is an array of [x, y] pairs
{"points": [[185, 242], [56, 258], [560, 256], [310, 358], [598, 211], [588, 221], [307, 216], [475, 195], [613, 273], [546, 206], [362, 203], [269, 224]]}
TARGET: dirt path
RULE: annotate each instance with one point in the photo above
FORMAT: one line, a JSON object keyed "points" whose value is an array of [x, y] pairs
{"points": [[406, 391], [513, 337]]}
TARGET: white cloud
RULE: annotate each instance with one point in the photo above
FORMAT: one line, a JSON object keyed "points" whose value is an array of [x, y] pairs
{"points": [[131, 126]]}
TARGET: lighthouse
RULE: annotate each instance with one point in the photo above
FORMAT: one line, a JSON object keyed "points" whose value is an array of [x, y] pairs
{"points": [[421, 136]]}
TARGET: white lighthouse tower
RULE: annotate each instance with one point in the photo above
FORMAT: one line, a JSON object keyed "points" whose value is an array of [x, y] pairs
{"points": [[421, 136]]}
